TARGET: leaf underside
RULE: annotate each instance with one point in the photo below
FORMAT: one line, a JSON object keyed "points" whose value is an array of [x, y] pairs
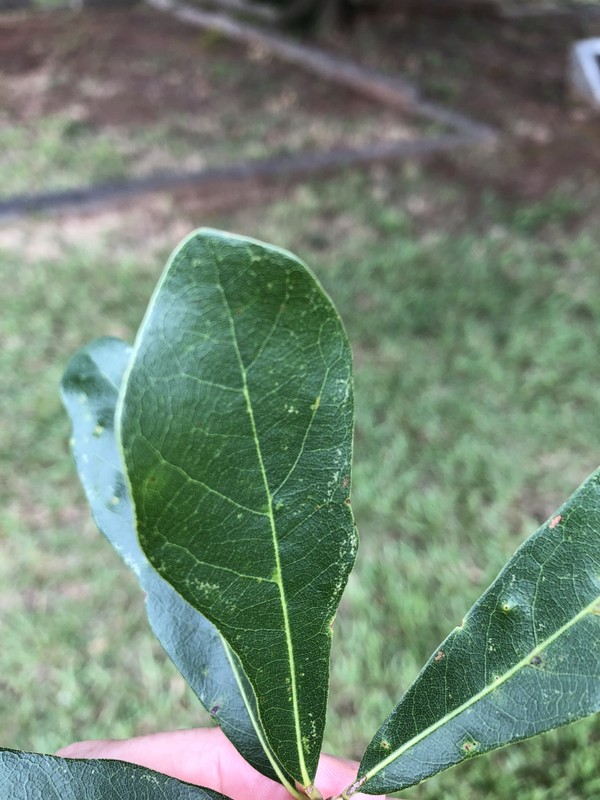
{"points": [[90, 388], [526, 658], [24, 776], [236, 429]]}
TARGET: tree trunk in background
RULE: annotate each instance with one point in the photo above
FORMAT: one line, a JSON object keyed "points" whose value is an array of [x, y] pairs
{"points": [[440, 8], [329, 15]]}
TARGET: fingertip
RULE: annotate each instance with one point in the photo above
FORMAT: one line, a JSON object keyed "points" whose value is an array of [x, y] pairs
{"points": [[87, 749]]}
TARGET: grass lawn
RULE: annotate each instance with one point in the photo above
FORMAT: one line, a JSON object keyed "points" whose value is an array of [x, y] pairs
{"points": [[474, 320]]}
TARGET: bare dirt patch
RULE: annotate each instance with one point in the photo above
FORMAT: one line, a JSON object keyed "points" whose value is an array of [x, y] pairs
{"points": [[87, 97], [508, 73], [136, 92]]}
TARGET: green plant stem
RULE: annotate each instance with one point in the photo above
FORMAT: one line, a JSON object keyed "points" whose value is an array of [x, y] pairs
{"points": [[352, 789], [312, 792]]}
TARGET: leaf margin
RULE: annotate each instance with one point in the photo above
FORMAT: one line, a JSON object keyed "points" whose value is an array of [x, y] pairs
{"points": [[78, 768]]}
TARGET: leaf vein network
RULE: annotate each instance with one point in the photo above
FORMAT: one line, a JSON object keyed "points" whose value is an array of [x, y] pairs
{"points": [[204, 485], [269, 335], [197, 379]]}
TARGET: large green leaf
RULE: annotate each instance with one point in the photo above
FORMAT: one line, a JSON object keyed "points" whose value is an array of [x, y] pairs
{"points": [[525, 659], [236, 428], [90, 388], [28, 776]]}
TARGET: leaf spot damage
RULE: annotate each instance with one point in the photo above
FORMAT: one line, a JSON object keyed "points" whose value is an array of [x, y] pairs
{"points": [[439, 656], [555, 521], [536, 661], [470, 747]]}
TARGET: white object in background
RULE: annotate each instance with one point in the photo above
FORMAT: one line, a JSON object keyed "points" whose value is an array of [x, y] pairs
{"points": [[585, 70]]}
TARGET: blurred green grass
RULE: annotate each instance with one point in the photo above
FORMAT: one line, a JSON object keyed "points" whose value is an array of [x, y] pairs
{"points": [[475, 336]]}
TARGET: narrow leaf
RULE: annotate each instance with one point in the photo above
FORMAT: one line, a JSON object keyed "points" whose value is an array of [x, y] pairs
{"points": [[90, 389], [526, 658], [25, 776], [236, 427]]}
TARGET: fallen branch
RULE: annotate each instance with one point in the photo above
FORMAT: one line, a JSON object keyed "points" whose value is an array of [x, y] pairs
{"points": [[270, 170]]}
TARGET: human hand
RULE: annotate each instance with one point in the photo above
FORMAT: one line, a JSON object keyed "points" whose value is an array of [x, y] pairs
{"points": [[205, 757]]}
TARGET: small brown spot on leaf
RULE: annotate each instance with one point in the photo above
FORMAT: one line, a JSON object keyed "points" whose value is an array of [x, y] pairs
{"points": [[345, 482], [469, 747], [439, 656]]}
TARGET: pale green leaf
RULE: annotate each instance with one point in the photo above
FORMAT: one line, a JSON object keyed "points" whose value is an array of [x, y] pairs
{"points": [[236, 428], [525, 659], [90, 389], [32, 776]]}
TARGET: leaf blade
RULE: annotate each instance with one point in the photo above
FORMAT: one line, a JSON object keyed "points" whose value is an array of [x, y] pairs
{"points": [[27, 775], [89, 389], [524, 661], [262, 377]]}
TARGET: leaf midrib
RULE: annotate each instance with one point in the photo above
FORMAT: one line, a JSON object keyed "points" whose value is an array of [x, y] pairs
{"points": [[492, 687], [278, 580], [256, 725]]}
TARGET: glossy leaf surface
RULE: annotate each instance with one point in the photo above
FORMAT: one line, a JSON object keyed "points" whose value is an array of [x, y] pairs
{"points": [[25, 776], [90, 389], [526, 658], [236, 429]]}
